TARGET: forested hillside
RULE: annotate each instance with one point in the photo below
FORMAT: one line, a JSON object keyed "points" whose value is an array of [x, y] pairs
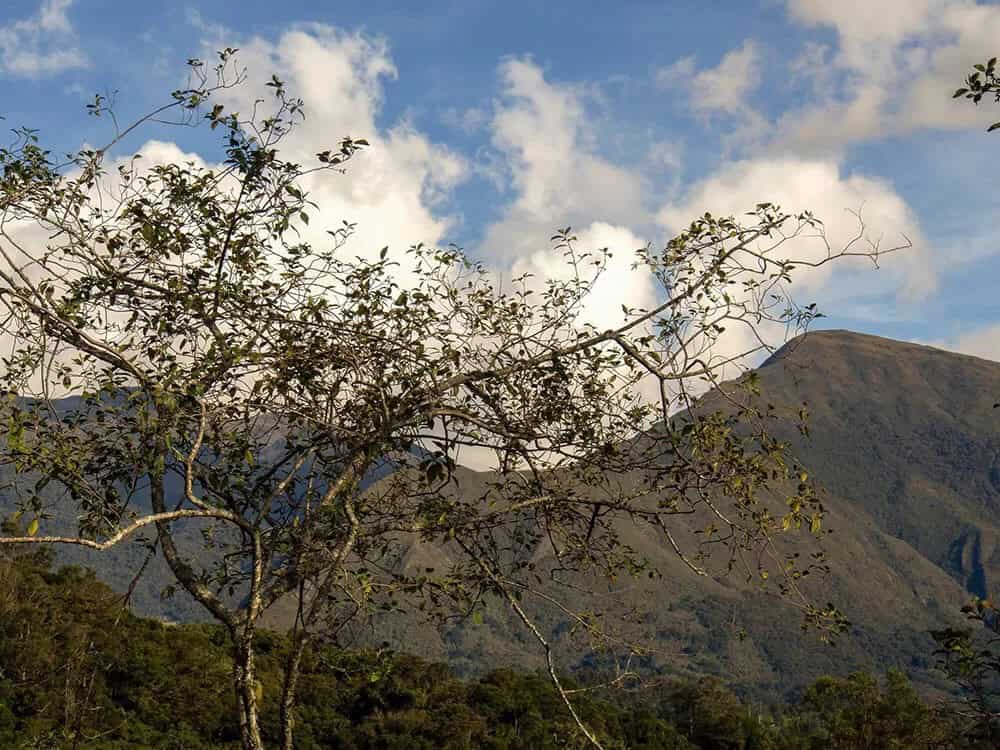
{"points": [[78, 671]]}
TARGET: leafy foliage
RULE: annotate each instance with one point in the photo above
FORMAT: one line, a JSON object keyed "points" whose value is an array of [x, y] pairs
{"points": [[970, 657], [76, 670], [982, 81], [257, 384]]}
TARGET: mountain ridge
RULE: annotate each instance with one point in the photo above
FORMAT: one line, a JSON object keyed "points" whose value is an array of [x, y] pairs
{"points": [[904, 445]]}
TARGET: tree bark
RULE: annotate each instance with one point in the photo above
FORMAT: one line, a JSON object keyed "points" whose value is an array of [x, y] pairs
{"points": [[245, 680], [292, 670], [245, 668]]}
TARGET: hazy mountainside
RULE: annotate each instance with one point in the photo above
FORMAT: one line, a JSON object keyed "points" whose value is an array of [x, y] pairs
{"points": [[119, 566], [903, 441]]}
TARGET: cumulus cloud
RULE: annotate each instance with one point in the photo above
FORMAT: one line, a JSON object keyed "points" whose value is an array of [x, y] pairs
{"points": [[397, 189], [869, 32], [543, 132], [822, 187], [892, 71], [819, 186], [557, 175], [722, 91], [678, 73], [42, 45], [547, 156], [618, 283], [467, 121], [724, 88], [972, 31], [545, 153]]}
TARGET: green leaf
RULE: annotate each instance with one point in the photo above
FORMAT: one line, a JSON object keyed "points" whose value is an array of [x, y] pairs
{"points": [[33, 527]]}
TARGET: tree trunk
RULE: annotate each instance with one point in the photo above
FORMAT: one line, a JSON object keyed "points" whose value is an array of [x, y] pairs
{"points": [[245, 681], [288, 690], [245, 671]]}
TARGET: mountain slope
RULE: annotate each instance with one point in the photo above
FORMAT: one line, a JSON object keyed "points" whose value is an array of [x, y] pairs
{"points": [[903, 442], [906, 434], [906, 448]]}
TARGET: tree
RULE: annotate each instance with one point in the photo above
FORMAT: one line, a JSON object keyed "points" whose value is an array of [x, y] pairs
{"points": [[856, 711], [180, 356], [982, 81], [970, 659]]}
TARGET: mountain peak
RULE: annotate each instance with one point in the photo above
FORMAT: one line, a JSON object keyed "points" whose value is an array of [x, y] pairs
{"points": [[816, 347]]}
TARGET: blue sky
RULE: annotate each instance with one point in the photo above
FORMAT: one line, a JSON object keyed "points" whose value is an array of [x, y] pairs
{"points": [[494, 123]]}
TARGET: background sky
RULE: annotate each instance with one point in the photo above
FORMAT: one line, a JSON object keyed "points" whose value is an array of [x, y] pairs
{"points": [[492, 124]]}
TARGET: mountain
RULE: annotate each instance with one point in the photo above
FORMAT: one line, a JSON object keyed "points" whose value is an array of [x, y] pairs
{"points": [[907, 435], [903, 442]]}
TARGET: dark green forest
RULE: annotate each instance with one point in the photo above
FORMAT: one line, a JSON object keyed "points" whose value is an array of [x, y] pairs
{"points": [[78, 670]]}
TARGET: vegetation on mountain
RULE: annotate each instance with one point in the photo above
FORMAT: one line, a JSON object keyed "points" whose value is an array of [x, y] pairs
{"points": [[251, 377], [79, 671], [902, 447], [970, 657]]}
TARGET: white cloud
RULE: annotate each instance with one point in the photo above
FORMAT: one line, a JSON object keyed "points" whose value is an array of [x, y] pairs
{"points": [[669, 154], [618, 284], [972, 34], [811, 131], [813, 65], [42, 45], [869, 32], [543, 131], [678, 73], [818, 186], [467, 121], [725, 88], [544, 135], [397, 188], [546, 140], [896, 65], [980, 342]]}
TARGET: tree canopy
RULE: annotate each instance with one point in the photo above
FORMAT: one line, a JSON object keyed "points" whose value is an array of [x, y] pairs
{"points": [[76, 670], [179, 354]]}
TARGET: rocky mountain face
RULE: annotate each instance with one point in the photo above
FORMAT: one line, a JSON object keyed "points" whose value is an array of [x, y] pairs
{"points": [[905, 445]]}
